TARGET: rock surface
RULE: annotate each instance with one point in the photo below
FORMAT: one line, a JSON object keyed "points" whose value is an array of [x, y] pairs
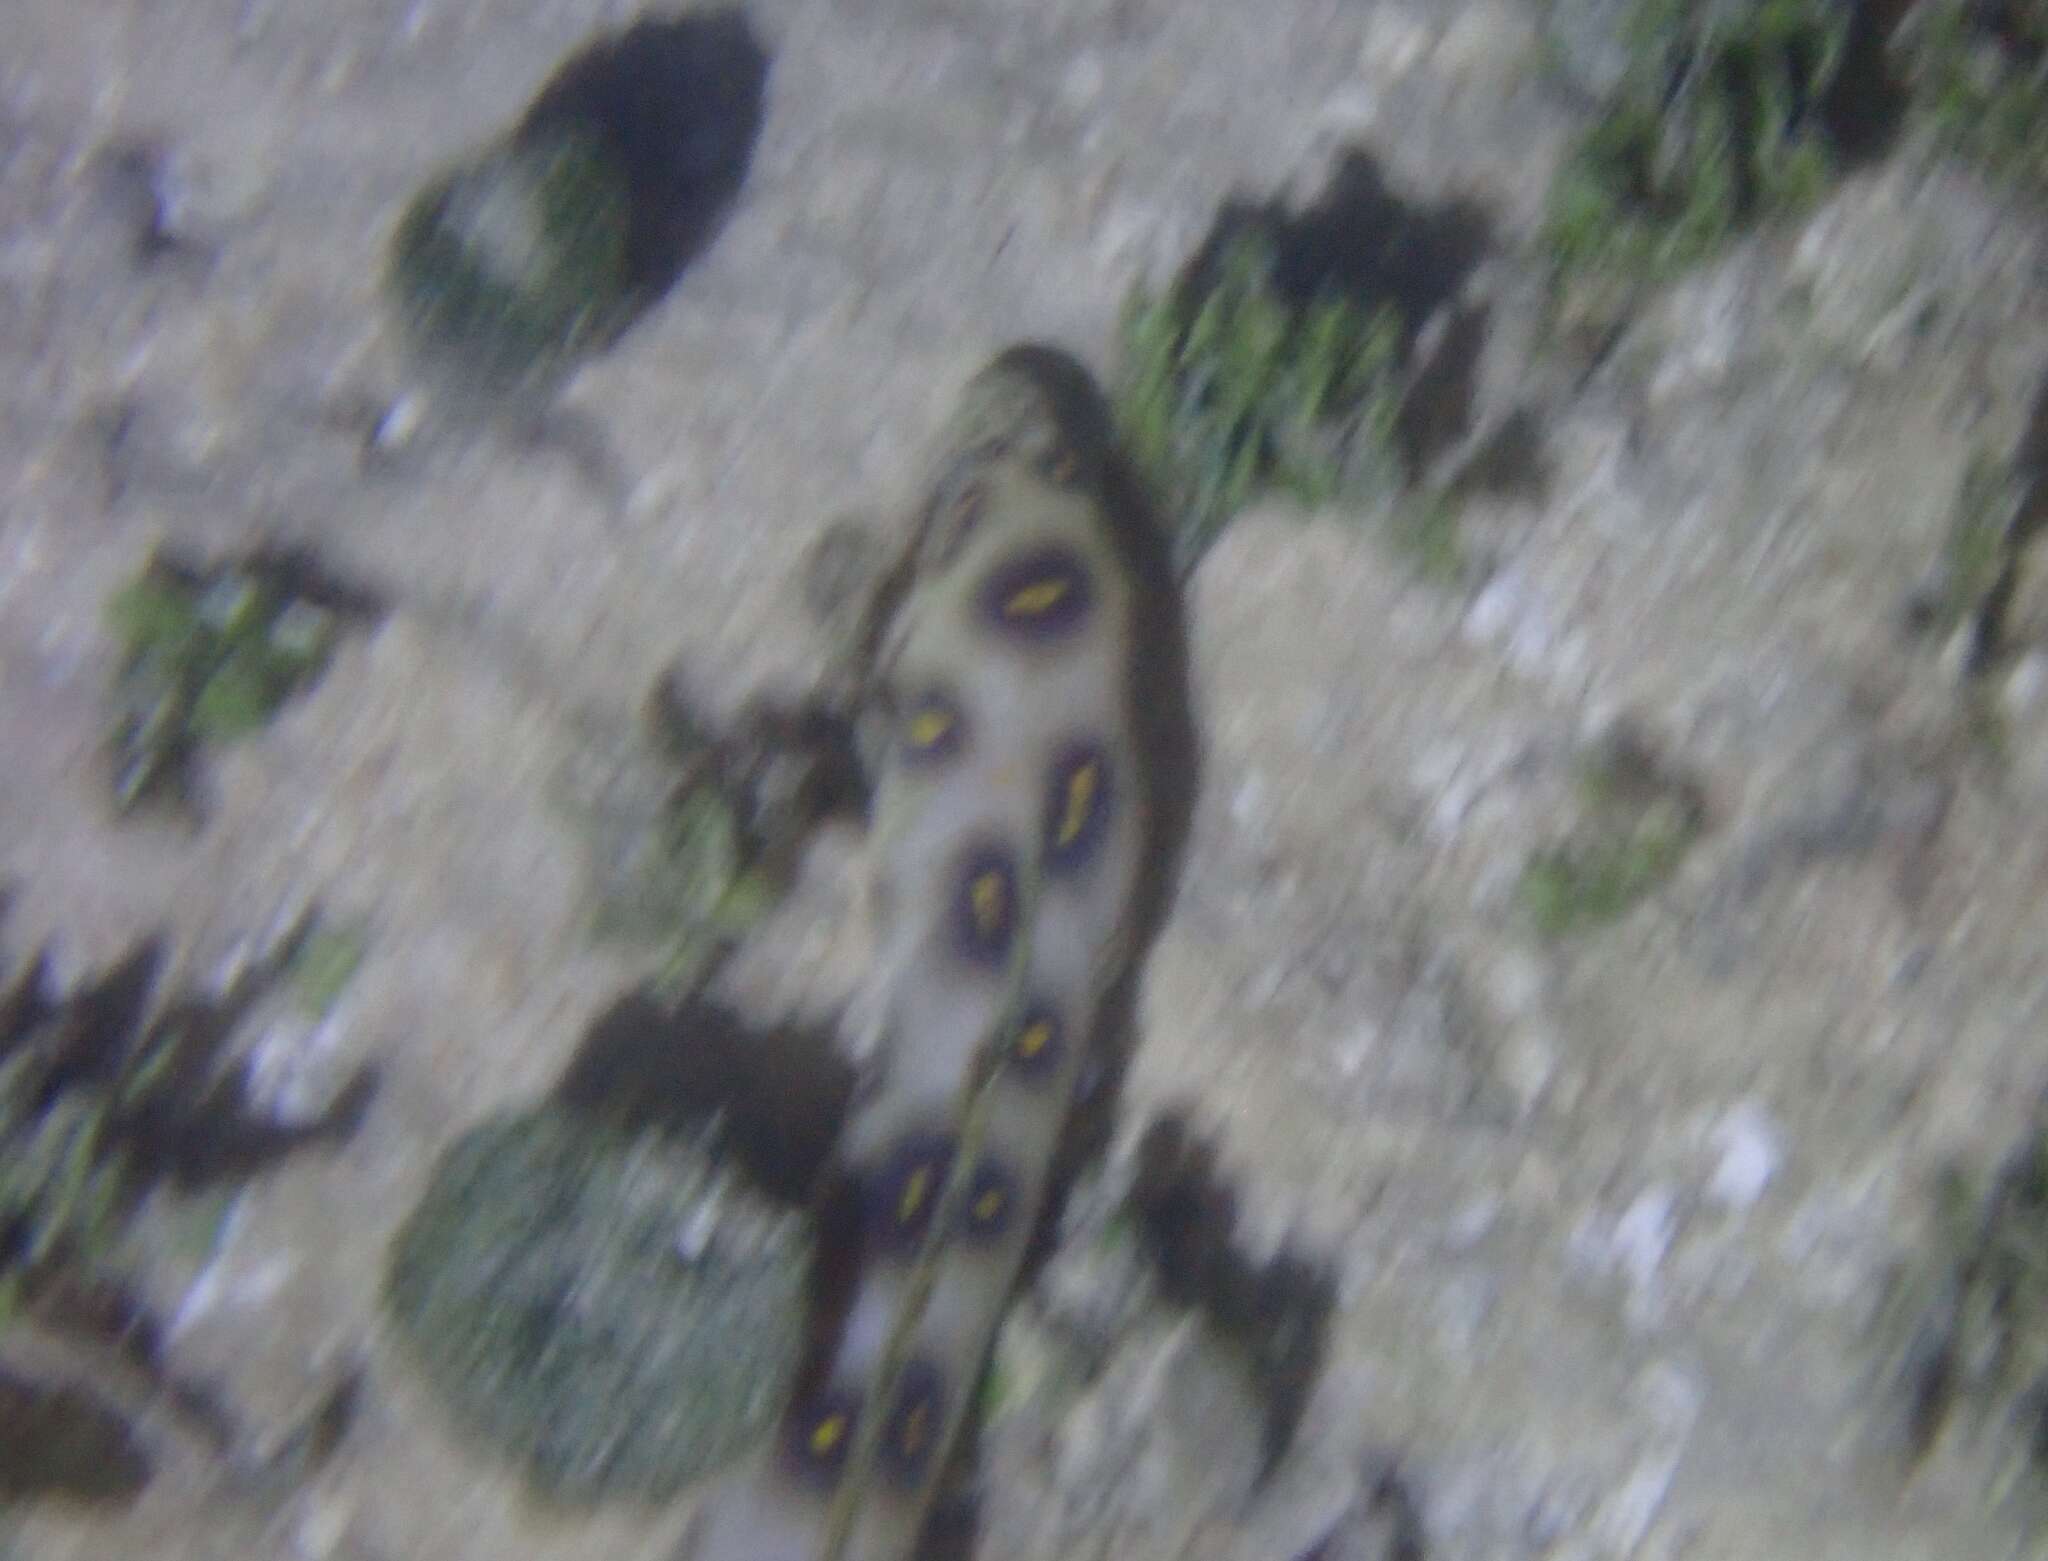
{"points": [[1613, 1213]]}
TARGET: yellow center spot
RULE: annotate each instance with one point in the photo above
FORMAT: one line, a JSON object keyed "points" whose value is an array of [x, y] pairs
{"points": [[988, 1205], [928, 727], [988, 901], [1036, 1037], [1031, 600], [1080, 796], [914, 1188], [828, 1434]]}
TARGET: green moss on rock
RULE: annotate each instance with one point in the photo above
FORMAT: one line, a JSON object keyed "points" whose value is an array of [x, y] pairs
{"points": [[210, 653], [323, 967], [1979, 78], [519, 261], [1639, 821], [613, 1313], [674, 865], [681, 879], [1229, 389], [508, 269], [1715, 124], [108, 1092]]}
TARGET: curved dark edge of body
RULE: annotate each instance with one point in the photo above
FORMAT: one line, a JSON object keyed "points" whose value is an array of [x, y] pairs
{"points": [[1163, 730]]}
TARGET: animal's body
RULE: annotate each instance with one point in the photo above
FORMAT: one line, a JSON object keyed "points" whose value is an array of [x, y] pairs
{"points": [[1030, 811]]}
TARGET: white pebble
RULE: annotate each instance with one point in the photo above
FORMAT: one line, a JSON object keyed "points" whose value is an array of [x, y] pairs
{"points": [[322, 1528], [1669, 1397], [1515, 983], [1625, 1517], [1643, 1234], [1248, 803], [2026, 684], [1494, 610], [1351, 1053], [1084, 80], [1749, 1147], [1471, 1224], [1526, 1064], [694, 1239], [1394, 44]]}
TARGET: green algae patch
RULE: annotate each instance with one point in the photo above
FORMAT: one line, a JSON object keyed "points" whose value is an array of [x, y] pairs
{"points": [[110, 1091], [695, 826], [1717, 123], [513, 265], [209, 654], [1230, 390], [673, 864], [1297, 354], [613, 1313], [508, 269], [682, 877], [114, 1094], [1425, 530], [1639, 819], [1979, 79], [323, 967]]}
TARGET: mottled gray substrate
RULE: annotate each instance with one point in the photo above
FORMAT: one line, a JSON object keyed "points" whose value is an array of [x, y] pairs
{"points": [[1614, 1215]]}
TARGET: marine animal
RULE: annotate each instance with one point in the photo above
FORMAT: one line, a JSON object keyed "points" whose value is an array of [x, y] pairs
{"points": [[1027, 667]]}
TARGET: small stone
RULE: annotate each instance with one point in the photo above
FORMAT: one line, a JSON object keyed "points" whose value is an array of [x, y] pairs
{"points": [[1452, 806], [1551, 1517], [400, 423], [322, 1528], [1530, 645], [1461, 1307], [1625, 1517], [1083, 81], [1750, 1152], [299, 1068], [1472, 1223], [1484, 39], [1515, 984], [2025, 685], [693, 1241], [1394, 44], [1265, 986], [1494, 610], [1526, 1065], [1956, 652], [1248, 802], [1353, 1052], [1669, 1397], [1642, 1236]]}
